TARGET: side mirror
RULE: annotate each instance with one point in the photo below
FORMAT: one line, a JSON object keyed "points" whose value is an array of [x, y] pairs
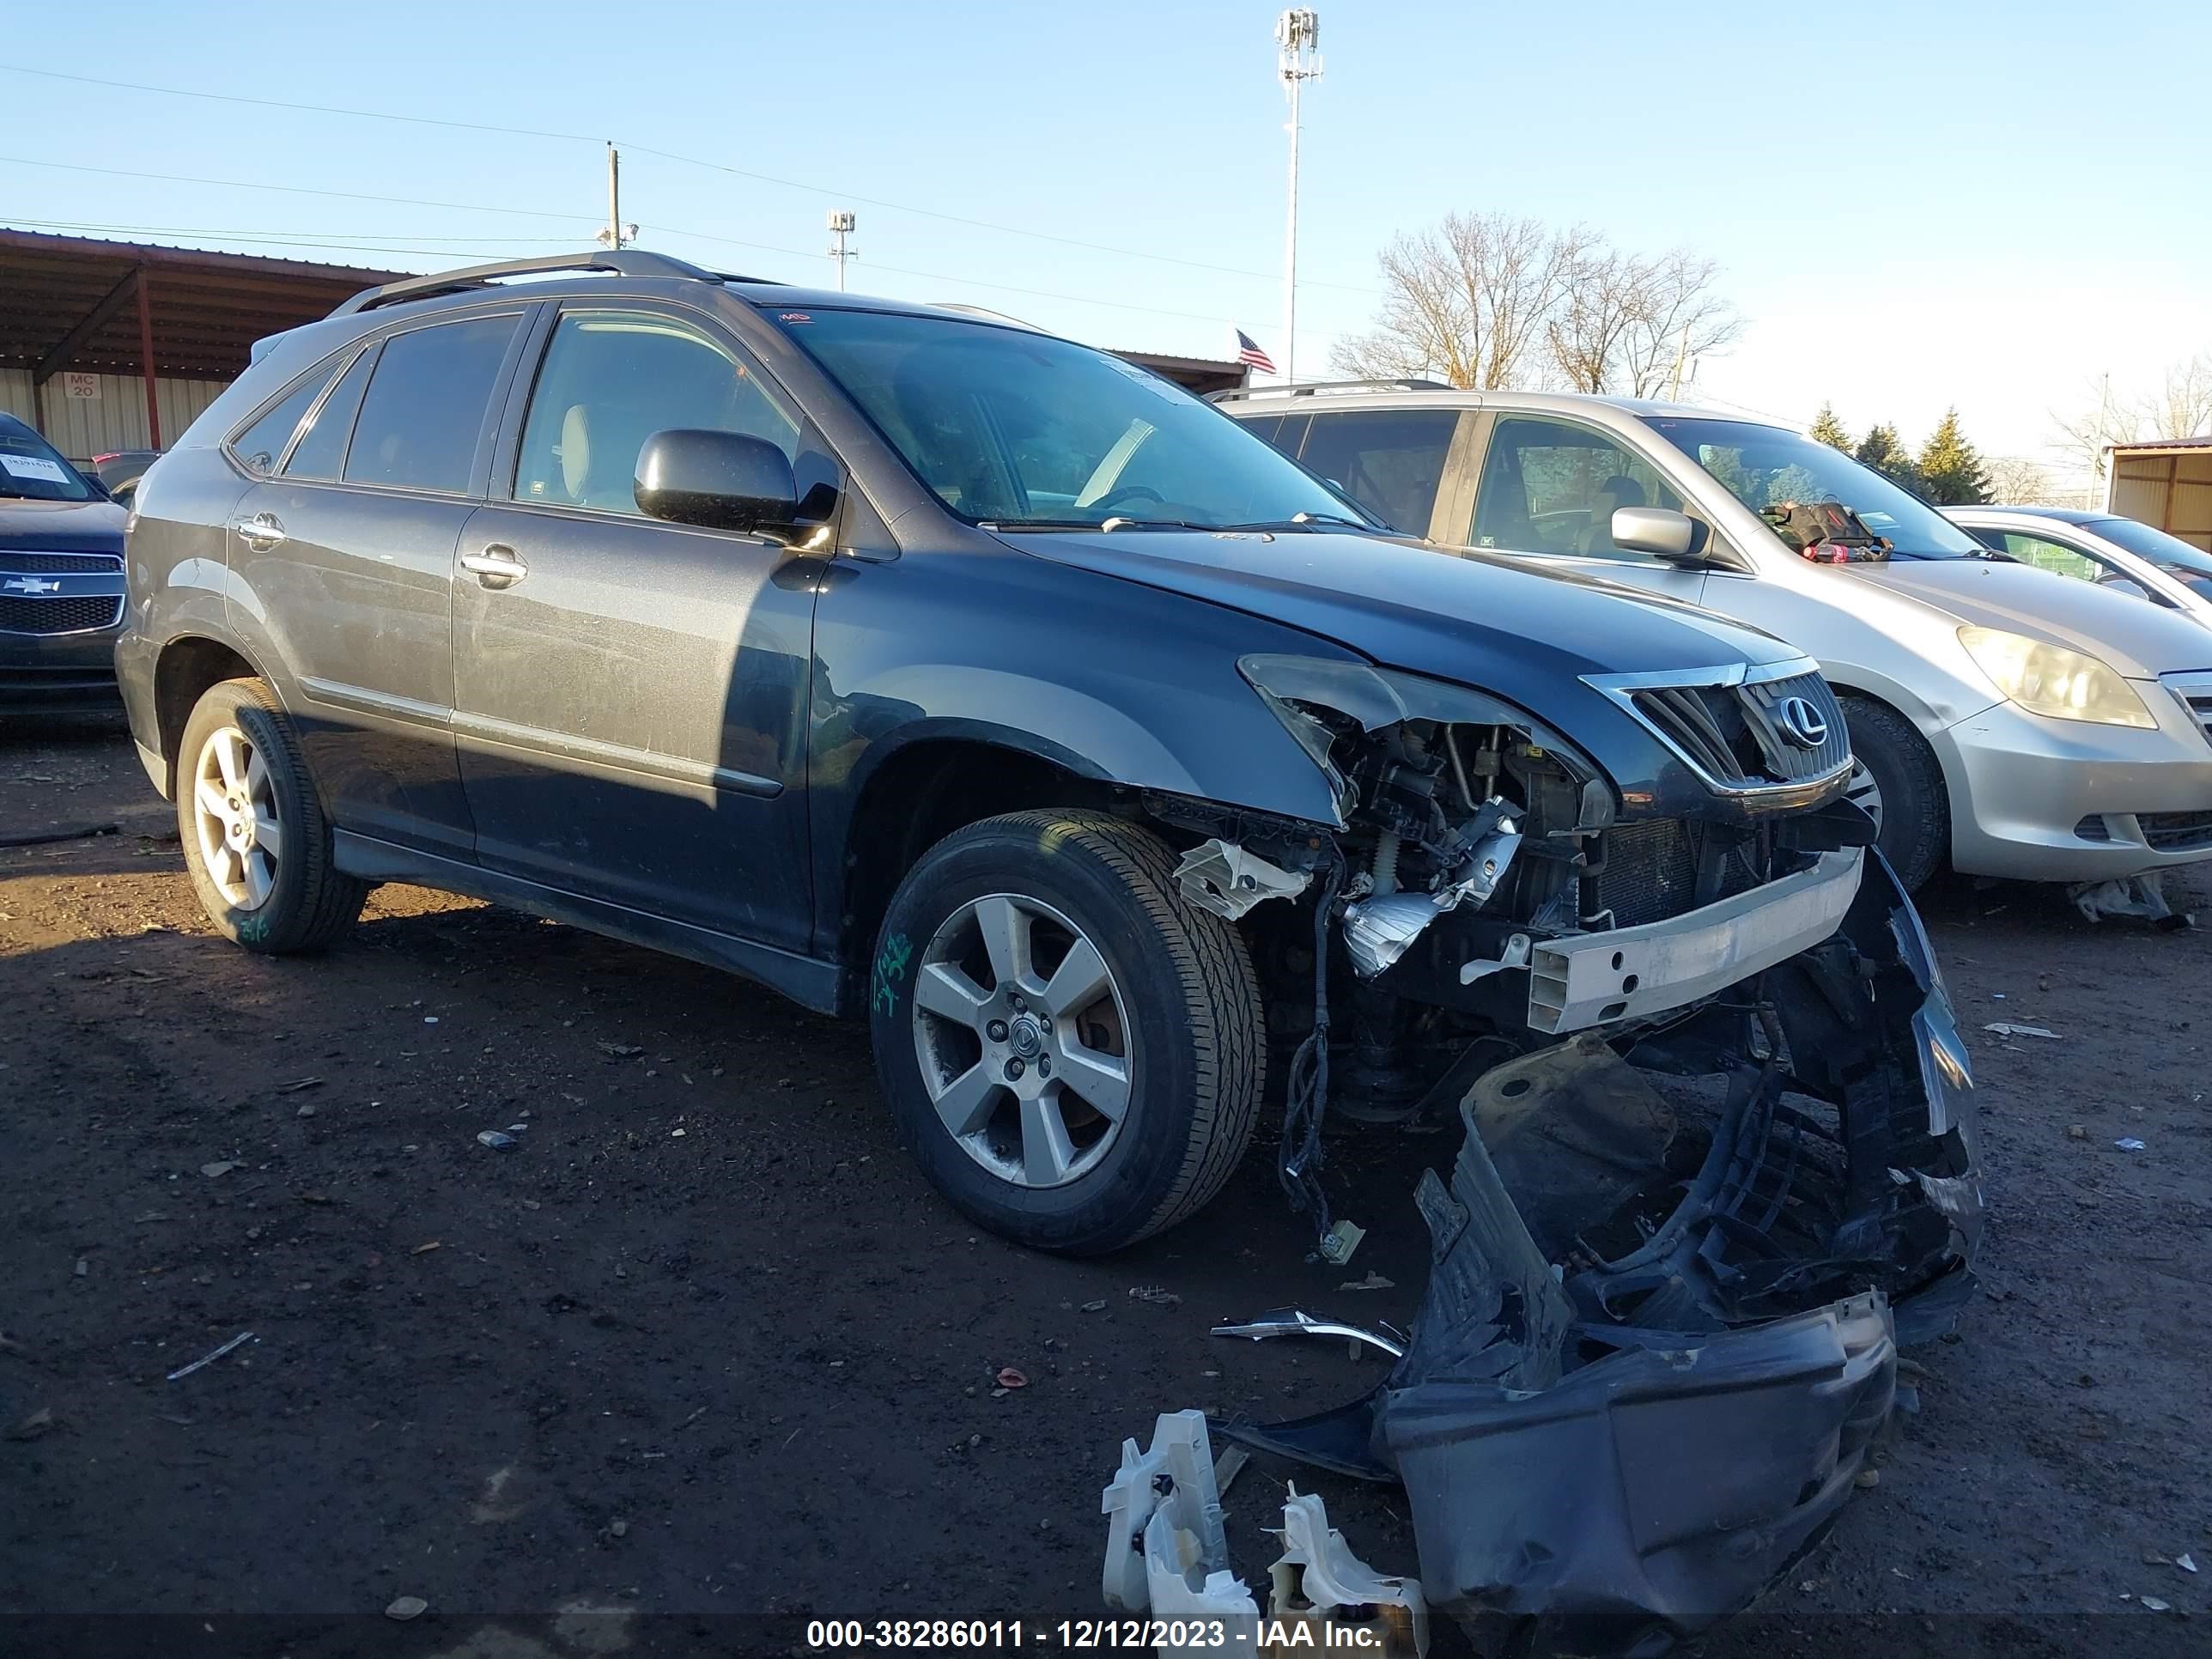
{"points": [[1661, 532], [721, 480]]}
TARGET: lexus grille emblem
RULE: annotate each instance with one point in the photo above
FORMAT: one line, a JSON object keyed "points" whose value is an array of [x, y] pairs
{"points": [[30, 585], [1800, 722]]}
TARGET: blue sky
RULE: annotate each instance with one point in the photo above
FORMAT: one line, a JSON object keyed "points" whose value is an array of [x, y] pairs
{"points": [[1914, 204]]}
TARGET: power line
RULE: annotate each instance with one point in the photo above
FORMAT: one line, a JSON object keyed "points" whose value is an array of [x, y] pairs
{"points": [[301, 238], [279, 103], [299, 189], [673, 230], [686, 160]]}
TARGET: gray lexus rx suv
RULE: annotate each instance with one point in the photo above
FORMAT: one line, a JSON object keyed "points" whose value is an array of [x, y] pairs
{"points": [[954, 676]]}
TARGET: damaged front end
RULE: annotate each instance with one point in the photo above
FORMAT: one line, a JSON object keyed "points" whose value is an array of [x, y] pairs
{"points": [[1677, 1251], [1660, 1332]]}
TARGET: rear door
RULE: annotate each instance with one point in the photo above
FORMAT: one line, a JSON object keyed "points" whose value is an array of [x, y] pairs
{"points": [[631, 695], [346, 556], [1394, 462], [1548, 488]]}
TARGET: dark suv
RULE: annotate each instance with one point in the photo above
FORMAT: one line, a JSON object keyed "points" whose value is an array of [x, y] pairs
{"points": [[1129, 782], [61, 581], [938, 671]]}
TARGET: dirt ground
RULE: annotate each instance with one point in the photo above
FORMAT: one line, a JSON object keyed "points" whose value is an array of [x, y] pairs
{"points": [[701, 1348]]}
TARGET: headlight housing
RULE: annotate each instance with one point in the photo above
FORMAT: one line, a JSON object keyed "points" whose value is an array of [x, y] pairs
{"points": [[2049, 679]]}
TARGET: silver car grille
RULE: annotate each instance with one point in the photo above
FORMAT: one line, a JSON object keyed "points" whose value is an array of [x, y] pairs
{"points": [[2195, 691]]}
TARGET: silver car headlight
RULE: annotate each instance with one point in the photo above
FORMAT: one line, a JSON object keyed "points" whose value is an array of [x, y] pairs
{"points": [[2049, 679]]}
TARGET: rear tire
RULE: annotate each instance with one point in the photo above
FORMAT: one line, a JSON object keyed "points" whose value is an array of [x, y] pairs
{"points": [[979, 987], [256, 846], [1911, 807]]}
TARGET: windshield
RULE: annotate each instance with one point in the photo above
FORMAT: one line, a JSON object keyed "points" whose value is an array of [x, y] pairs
{"points": [[1014, 429], [32, 469], [2169, 553], [1764, 467]]}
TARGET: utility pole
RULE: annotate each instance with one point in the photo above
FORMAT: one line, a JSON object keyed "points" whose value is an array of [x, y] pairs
{"points": [[1297, 60], [616, 233], [841, 227], [1682, 353], [2089, 497]]}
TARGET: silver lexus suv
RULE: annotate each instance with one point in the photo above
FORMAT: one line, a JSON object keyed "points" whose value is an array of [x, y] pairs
{"points": [[2007, 720]]}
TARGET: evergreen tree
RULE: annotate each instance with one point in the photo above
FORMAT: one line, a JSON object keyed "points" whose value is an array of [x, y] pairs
{"points": [[1827, 429], [1882, 450], [1952, 472]]}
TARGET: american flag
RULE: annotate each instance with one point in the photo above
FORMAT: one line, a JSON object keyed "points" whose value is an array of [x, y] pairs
{"points": [[1247, 351]]}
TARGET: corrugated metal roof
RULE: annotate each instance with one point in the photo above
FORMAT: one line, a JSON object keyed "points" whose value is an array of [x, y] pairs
{"points": [[71, 302], [2203, 441]]}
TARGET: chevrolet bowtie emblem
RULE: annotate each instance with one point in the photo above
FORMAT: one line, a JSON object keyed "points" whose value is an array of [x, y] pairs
{"points": [[30, 585]]}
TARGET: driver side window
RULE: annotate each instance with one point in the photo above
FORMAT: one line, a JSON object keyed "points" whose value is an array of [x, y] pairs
{"points": [[611, 380], [1551, 487]]}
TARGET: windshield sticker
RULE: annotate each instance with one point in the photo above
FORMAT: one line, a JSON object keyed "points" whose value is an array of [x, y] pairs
{"points": [[34, 466], [1144, 378]]}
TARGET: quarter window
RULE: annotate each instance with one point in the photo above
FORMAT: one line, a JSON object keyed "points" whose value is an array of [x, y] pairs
{"points": [[1548, 487], [612, 380], [321, 449], [1388, 460], [261, 445], [425, 408]]}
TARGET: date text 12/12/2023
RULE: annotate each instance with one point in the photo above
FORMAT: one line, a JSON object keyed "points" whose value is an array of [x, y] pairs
{"points": [[1256, 1636]]}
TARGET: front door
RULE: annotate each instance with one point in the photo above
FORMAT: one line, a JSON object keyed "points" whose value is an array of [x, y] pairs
{"points": [[631, 695], [1548, 490], [346, 556]]}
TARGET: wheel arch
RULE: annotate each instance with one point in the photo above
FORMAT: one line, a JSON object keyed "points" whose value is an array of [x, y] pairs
{"points": [[186, 667]]}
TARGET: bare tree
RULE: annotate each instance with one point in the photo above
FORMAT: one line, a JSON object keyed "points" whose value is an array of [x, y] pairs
{"points": [[1680, 317], [1608, 295], [2182, 408], [2016, 481], [1467, 301]]}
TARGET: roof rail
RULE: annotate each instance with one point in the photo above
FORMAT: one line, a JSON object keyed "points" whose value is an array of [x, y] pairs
{"points": [[627, 261], [1307, 388]]}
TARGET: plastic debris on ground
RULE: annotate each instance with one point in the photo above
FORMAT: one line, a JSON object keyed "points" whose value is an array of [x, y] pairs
{"points": [[2129, 1144], [1167, 1557], [2003, 1028], [1340, 1242]]}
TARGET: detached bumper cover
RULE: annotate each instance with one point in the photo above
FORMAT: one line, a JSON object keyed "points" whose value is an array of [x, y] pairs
{"points": [[1608, 1452]]}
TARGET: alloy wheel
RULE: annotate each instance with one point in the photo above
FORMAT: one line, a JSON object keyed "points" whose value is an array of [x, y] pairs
{"points": [[241, 836], [1862, 789], [1024, 1040]]}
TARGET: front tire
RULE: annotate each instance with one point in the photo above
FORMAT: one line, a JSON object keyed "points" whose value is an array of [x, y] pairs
{"points": [[1900, 782], [256, 846], [1073, 1054]]}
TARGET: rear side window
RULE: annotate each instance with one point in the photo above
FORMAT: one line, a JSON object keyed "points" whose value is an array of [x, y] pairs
{"points": [[425, 407], [321, 449], [1388, 460], [261, 445]]}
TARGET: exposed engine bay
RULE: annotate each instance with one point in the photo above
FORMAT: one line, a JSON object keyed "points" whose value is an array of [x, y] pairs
{"points": [[1675, 1255]]}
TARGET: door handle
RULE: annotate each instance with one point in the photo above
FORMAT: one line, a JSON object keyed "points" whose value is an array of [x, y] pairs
{"points": [[495, 567], [260, 531]]}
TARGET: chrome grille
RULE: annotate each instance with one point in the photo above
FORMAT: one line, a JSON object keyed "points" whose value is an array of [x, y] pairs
{"points": [[43, 564], [2195, 691], [1735, 731], [80, 614]]}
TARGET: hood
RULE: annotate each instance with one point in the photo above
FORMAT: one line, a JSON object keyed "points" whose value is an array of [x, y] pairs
{"points": [[1454, 614], [61, 526], [2141, 641]]}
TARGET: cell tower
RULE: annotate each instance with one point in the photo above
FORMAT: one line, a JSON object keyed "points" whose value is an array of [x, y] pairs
{"points": [[1297, 60], [841, 227]]}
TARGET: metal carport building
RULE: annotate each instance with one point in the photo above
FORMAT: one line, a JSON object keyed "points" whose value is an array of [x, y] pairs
{"points": [[2166, 482], [118, 345]]}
